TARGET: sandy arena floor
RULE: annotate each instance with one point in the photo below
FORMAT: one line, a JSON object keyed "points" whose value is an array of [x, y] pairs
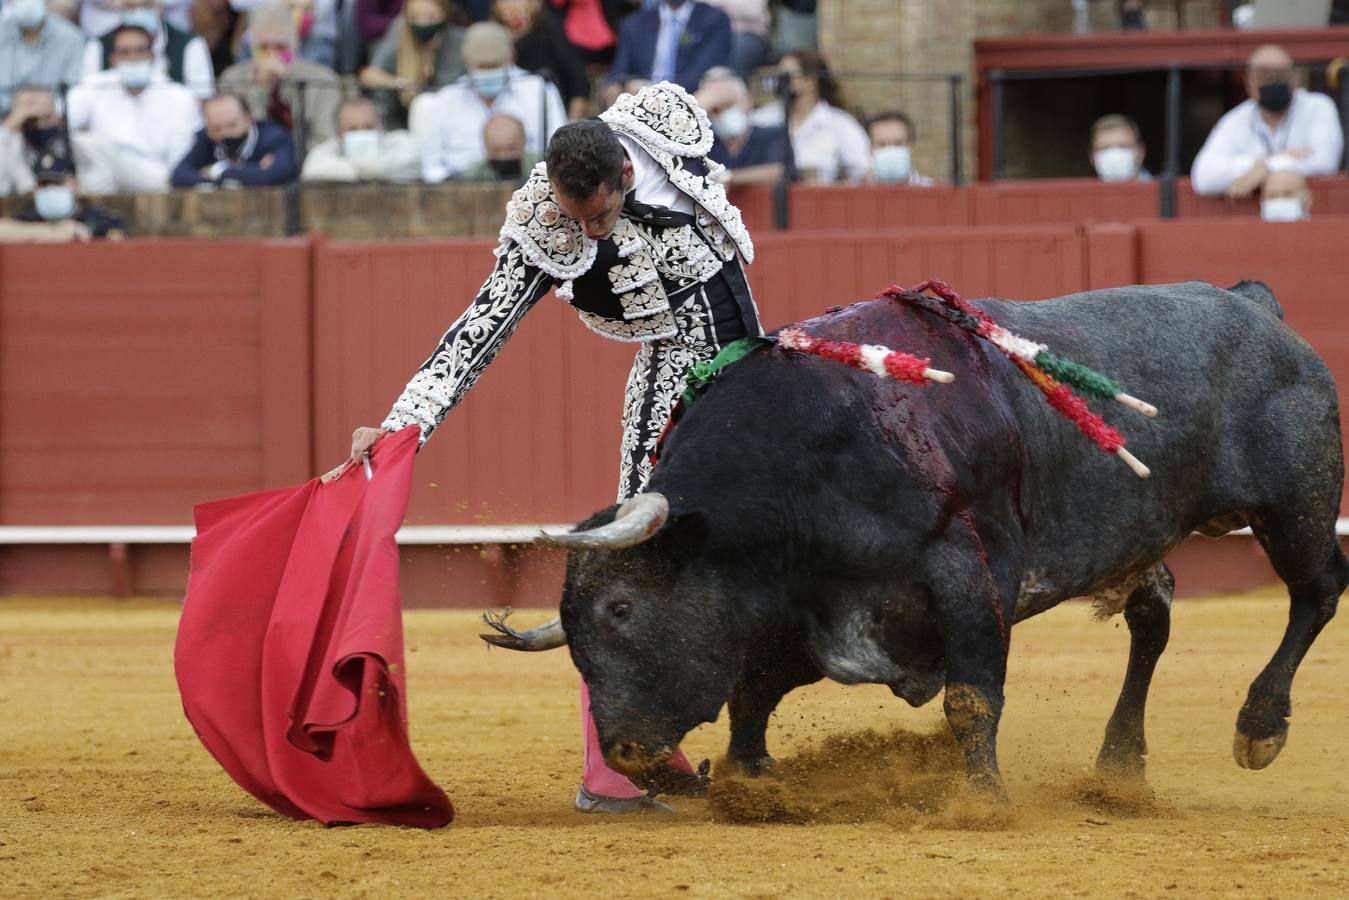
{"points": [[105, 791]]}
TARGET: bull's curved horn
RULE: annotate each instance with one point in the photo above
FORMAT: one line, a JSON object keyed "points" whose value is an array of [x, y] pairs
{"points": [[637, 520], [547, 636]]}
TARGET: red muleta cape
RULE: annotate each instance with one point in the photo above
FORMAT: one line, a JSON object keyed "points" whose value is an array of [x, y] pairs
{"points": [[290, 648]]}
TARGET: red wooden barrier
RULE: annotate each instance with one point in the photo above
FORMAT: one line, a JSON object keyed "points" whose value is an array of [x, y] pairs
{"points": [[138, 379]]}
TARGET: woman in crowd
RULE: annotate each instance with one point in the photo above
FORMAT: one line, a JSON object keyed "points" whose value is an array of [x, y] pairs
{"points": [[542, 47], [421, 51], [592, 26], [828, 143]]}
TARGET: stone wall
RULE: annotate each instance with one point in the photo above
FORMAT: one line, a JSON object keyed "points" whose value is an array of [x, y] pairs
{"points": [[883, 37]]}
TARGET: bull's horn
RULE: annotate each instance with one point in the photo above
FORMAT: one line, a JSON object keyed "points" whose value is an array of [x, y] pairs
{"points": [[637, 520], [548, 636]]}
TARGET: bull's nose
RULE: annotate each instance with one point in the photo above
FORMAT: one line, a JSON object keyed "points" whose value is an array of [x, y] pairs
{"points": [[627, 755]]}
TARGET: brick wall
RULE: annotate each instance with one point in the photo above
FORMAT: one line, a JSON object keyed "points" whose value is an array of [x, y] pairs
{"points": [[881, 37]]}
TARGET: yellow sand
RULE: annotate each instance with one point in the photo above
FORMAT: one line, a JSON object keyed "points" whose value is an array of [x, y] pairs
{"points": [[105, 791]]}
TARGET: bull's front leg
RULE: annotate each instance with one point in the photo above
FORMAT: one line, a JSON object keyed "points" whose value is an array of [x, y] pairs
{"points": [[975, 637]]}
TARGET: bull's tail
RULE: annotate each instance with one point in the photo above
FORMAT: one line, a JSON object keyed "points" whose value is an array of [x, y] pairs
{"points": [[1259, 292]]}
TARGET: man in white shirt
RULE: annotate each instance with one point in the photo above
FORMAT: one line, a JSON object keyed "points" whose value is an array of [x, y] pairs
{"points": [[363, 150], [151, 121], [1279, 126], [494, 86]]}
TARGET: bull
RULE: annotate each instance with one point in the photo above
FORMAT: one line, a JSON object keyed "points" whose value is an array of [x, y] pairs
{"points": [[808, 521]]}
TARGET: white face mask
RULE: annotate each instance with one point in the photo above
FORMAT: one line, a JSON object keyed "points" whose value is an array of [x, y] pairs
{"points": [[489, 82], [54, 202], [1115, 164], [891, 165], [28, 13], [360, 143], [1282, 209], [136, 74], [731, 124]]}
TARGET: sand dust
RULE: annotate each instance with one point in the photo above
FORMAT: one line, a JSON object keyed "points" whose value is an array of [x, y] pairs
{"points": [[105, 791]]}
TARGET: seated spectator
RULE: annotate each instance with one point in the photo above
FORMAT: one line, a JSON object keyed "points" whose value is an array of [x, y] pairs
{"points": [[676, 40], [36, 48], [363, 150], [221, 27], [275, 85], [891, 135], [1285, 197], [751, 155], [795, 26], [453, 142], [234, 150], [182, 56], [591, 26], [1117, 149], [56, 198], [373, 18], [315, 24], [421, 51], [504, 138], [828, 144], [1279, 125], [98, 17], [33, 129], [749, 33], [148, 120], [542, 48]]}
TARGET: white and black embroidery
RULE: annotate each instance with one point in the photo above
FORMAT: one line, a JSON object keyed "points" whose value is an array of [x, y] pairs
{"points": [[549, 240], [470, 345]]}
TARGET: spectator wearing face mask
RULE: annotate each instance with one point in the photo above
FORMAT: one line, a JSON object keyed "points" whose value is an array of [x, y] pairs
{"points": [[363, 150], [675, 40], [272, 81], [148, 120], [235, 150], [751, 154], [1280, 125], [1285, 197], [179, 54], [453, 143], [32, 130], [56, 198], [891, 135], [421, 51], [314, 21], [36, 47], [504, 138], [1117, 149], [542, 48]]}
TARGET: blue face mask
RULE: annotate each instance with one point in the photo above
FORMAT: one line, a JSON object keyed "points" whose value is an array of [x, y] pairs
{"points": [[489, 82], [891, 165], [135, 74], [54, 202], [142, 18]]}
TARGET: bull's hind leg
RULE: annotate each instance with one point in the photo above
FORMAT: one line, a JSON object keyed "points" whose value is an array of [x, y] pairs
{"points": [[1148, 613], [1307, 556]]}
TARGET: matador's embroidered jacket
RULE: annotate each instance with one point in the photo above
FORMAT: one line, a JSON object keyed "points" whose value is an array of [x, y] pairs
{"points": [[627, 287]]}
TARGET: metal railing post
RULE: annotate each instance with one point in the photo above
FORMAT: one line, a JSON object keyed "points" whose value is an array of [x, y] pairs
{"points": [[1166, 186], [1344, 109], [957, 82], [995, 84]]}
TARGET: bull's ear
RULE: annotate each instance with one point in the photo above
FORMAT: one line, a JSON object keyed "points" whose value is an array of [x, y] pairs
{"points": [[684, 535]]}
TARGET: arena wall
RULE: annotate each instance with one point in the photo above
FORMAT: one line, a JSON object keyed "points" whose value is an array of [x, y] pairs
{"points": [[139, 379]]}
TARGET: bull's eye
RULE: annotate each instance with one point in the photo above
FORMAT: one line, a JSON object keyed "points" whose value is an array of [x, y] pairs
{"points": [[619, 609]]}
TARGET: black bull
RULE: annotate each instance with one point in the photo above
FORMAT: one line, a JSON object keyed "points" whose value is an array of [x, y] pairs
{"points": [[809, 520]]}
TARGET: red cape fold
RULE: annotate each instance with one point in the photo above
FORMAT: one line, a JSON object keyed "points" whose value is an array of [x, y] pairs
{"points": [[290, 649]]}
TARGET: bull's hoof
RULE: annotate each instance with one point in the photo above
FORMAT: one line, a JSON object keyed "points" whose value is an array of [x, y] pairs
{"points": [[667, 780], [1256, 753], [587, 802]]}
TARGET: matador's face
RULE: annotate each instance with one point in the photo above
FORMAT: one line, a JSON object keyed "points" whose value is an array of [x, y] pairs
{"points": [[598, 213]]}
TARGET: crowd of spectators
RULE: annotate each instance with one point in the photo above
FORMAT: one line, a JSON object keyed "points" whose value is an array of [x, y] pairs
{"points": [[144, 95]]}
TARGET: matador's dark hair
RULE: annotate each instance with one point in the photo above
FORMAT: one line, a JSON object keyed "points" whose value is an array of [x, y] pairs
{"points": [[583, 155]]}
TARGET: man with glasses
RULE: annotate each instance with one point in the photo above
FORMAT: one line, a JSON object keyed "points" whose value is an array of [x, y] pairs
{"points": [[1280, 126], [149, 120]]}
